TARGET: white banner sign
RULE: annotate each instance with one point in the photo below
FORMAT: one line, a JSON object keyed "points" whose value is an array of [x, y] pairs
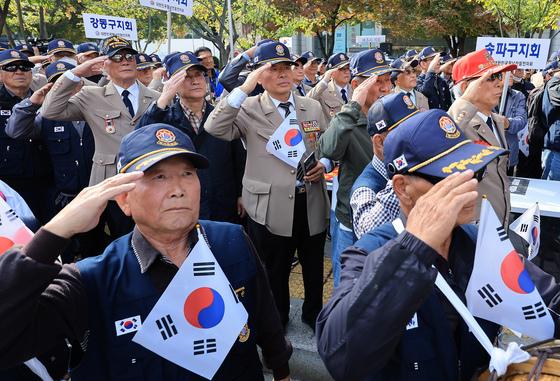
{"points": [[101, 26], [527, 53], [373, 39], [182, 7]]}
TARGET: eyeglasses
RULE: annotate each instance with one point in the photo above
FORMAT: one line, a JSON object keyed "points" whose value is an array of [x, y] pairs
{"points": [[495, 76], [197, 74], [120, 57], [15, 67]]}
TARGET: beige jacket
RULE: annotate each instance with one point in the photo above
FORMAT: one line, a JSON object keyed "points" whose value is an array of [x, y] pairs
{"points": [[268, 183], [329, 98], [421, 100], [495, 184], [103, 109]]}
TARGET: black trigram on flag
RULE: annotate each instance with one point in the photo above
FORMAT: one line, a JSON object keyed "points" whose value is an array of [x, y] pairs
{"points": [[276, 144], [524, 228], [532, 312], [536, 218], [294, 122], [204, 268], [490, 296], [11, 215], [293, 153], [166, 327], [502, 233], [234, 294], [201, 347]]}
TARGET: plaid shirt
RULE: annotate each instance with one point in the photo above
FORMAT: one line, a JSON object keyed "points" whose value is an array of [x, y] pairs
{"points": [[195, 121], [370, 210]]}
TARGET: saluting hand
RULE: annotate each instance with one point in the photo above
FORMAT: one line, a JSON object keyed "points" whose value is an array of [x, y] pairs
{"points": [[435, 64], [436, 213], [38, 97], [361, 92], [170, 89], [253, 79], [91, 67], [328, 74], [82, 214], [475, 88]]}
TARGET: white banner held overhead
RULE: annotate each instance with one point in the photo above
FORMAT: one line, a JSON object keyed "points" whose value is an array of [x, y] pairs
{"points": [[181, 7], [101, 26], [526, 53]]}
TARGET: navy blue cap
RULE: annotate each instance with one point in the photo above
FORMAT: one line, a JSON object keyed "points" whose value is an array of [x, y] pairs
{"points": [[265, 41], [9, 56], [402, 64], [299, 59], [428, 52], [181, 62], [388, 112], [410, 54], [430, 143], [309, 56], [272, 52], [4, 46], [25, 48], [447, 58], [148, 145], [143, 61], [60, 45], [338, 60], [112, 45], [56, 69], [369, 62], [155, 59], [87, 47]]}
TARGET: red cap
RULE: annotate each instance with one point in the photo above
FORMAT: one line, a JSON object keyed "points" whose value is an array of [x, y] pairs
{"points": [[477, 63]]}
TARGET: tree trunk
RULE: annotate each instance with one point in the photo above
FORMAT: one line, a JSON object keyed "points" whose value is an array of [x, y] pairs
{"points": [[21, 29], [4, 14], [42, 25]]}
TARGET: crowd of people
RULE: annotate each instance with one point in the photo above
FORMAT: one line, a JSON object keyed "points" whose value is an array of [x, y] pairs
{"points": [[117, 158]]}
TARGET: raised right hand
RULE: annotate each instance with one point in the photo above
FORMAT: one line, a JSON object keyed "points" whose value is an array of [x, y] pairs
{"points": [[91, 67], [82, 214], [170, 89], [436, 213], [253, 79], [475, 88], [38, 97], [435, 64]]}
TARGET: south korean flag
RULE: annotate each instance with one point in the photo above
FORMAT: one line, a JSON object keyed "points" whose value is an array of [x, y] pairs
{"points": [[286, 143], [12, 230], [198, 318], [528, 227]]}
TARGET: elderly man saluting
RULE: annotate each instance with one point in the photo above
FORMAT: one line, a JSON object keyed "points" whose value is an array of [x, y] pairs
{"points": [[44, 301]]}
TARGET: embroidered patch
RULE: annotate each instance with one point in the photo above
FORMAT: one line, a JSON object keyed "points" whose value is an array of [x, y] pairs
{"points": [[381, 125], [245, 333], [406, 99], [59, 129], [166, 138], [280, 50], [309, 126], [379, 57], [400, 163], [449, 127], [5, 112], [128, 325]]}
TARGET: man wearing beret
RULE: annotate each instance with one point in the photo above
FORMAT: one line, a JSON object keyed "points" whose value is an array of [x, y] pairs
{"points": [[347, 140], [334, 90], [473, 112], [182, 104], [159, 188], [287, 206], [111, 111]]}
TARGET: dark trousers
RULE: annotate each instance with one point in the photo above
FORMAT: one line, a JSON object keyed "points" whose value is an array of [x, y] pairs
{"points": [[119, 223], [277, 253]]}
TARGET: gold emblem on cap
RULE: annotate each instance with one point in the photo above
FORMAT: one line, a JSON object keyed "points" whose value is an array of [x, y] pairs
{"points": [[60, 66], [245, 333], [341, 57], [280, 50], [61, 44], [166, 138], [449, 127], [406, 99], [184, 58], [15, 54], [379, 57], [142, 58]]}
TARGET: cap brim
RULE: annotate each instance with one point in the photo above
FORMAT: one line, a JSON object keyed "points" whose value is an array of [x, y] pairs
{"points": [[379, 70], [150, 159], [340, 65], [54, 77], [131, 49], [187, 67], [12, 60], [58, 50], [144, 65], [302, 60], [275, 61], [493, 70], [466, 155]]}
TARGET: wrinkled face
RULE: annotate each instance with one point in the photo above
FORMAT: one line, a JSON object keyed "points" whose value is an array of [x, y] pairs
{"points": [[277, 79], [17, 79], [310, 69], [145, 75], [124, 70], [342, 76], [194, 84], [297, 72], [381, 87], [206, 59], [166, 199], [491, 91], [407, 79]]}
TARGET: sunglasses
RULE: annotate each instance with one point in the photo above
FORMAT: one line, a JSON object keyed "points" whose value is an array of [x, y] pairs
{"points": [[478, 175], [120, 57], [495, 76], [15, 67]]}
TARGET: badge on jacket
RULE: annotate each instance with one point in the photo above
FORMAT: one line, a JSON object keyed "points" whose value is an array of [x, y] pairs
{"points": [[59, 129], [5, 112], [309, 126], [110, 126], [413, 323]]}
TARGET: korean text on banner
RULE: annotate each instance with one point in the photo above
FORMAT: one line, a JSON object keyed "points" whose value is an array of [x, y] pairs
{"points": [[526, 53], [182, 7], [101, 26]]}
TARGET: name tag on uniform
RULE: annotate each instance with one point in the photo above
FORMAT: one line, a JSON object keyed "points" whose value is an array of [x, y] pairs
{"points": [[309, 126], [413, 323], [59, 129], [5, 112]]}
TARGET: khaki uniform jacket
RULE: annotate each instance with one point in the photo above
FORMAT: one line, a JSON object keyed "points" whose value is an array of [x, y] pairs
{"points": [[306, 89], [421, 100], [329, 98], [495, 185], [268, 183], [103, 109]]}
